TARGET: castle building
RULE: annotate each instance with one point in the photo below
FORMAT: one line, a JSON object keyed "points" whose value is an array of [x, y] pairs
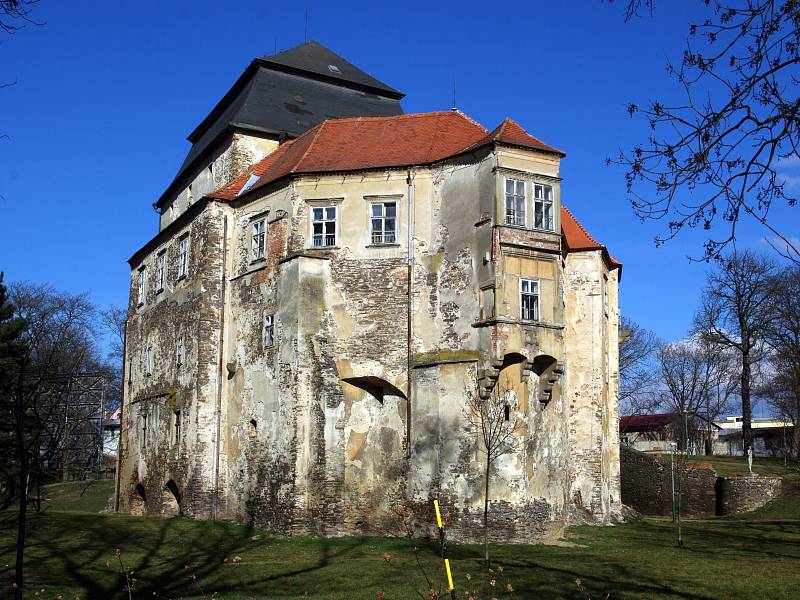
{"points": [[334, 285]]}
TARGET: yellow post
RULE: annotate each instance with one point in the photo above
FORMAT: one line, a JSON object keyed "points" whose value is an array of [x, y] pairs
{"points": [[451, 588]]}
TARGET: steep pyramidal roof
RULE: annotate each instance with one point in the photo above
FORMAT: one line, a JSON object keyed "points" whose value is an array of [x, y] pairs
{"points": [[313, 57], [285, 95]]}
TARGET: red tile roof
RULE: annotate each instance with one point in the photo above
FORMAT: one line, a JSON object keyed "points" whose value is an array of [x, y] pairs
{"points": [[361, 143], [577, 239], [646, 421], [511, 133]]}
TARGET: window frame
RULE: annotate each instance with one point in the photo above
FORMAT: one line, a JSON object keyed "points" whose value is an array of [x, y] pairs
{"points": [[261, 248], [268, 331], [382, 218], [161, 260], [141, 286], [515, 196], [148, 360], [537, 308], [183, 256], [324, 206], [544, 202], [605, 295], [180, 352]]}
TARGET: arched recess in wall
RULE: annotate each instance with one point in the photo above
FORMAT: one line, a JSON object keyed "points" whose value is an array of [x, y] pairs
{"points": [[170, 500], [138, 502], [510, 380], [375, 386]]}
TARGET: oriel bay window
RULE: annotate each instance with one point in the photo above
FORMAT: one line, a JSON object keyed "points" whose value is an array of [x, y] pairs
{"points": [[543, 207], [529, 299], [515, 202], [383, 222], [323, 226]]}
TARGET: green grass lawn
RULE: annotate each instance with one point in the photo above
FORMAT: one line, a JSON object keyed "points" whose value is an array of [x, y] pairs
{"points": [[84, 496], [72, 553]]}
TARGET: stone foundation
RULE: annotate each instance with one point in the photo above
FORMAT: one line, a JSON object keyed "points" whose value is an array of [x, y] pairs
{"points": [[746, 493]]}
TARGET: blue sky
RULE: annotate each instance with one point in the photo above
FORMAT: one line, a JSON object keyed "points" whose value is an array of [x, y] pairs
{"points": [[106, 93]]}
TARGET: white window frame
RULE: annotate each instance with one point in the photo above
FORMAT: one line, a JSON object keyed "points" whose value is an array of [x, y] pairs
{"points": [[513, 216], [141, 286], [160, 263], [529, 293], [380, 236], [544, 202], [258, 239], [268, 330], [324, 221], [183, 256]]}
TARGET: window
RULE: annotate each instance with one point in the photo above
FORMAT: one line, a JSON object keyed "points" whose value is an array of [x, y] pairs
{"points": [[183, 256], [515, 202], [383, 222], [140, 291], [605, 295], [180, 352], [148, 361], [176, 430], [252, 429], [543, 207], [269, 331], [130, 371], [323, 226], [144, 431], [258, 240], [529, 299], [160, 272]]}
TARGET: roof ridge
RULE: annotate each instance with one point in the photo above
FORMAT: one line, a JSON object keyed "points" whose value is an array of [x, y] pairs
{"points": [[319, 128], [468, 118], [392, 117]]}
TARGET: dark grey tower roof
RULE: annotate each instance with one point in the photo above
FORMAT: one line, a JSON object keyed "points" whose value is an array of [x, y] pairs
{"points": [[286, 94]]}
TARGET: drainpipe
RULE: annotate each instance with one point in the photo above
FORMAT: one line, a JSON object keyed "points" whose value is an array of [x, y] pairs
{"points": [[220, 366], [121, 413], [410, 267]]}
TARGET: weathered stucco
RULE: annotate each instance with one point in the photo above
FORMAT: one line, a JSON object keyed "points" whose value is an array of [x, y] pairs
{"points": [[313, 431]]}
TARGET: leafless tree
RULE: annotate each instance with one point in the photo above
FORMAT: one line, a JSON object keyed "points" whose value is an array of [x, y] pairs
{"points": [[734, 315], [637, 368], [717, 155], [113, 320], [498, 424], [15, 14], [782, 386], [689, 370], [44, 411]]}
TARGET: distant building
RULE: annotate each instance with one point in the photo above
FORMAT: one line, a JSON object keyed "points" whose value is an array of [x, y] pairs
{"points": [[771, 436], [661, 432]]}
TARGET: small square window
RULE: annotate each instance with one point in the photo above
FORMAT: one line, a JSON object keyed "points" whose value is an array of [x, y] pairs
{"points": [[383, 222], [323, 226], [529, 299]]}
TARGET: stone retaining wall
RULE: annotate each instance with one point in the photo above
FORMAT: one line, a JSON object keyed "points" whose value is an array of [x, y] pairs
{"points": [[647, 486], [745, 493]]}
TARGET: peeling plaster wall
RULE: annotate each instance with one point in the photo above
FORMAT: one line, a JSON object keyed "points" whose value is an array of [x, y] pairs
{"points": [[591, 386], [313, 428]]}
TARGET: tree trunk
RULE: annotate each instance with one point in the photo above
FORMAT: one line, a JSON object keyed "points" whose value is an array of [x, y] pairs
{"points": [[747, 435], [23, 500], [486, 515]]}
